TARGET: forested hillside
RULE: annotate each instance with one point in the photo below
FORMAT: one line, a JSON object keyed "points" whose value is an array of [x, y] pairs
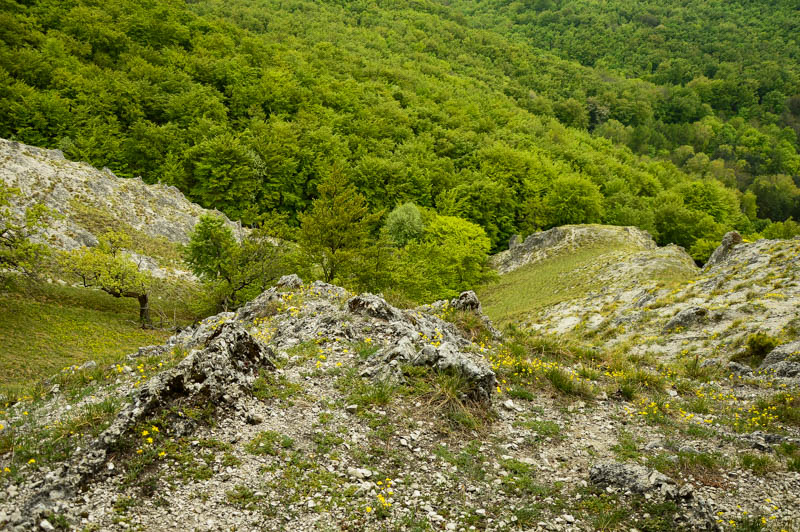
{"points": [[488, 111]]}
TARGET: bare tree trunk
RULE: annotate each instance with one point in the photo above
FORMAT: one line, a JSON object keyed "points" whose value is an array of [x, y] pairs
{"points": [[144, 310]]}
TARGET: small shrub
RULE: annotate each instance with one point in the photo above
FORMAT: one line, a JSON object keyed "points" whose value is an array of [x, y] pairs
{"points": [[758, 464], [757, 347], [365, 349], [242, 497], [627, 390], [518, 392], [566, 383], [644, 380], [269, 443]]}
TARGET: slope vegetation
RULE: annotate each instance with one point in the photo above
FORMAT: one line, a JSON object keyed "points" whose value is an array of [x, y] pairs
{"points": [[316, 409], [246, 106], [606, 286], [49, 328], [576, 262]]}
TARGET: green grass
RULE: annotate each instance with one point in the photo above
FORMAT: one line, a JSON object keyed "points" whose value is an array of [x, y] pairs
{"points": [[55, 326], [758, 463], [627, 446], [243, 497], [269, 443], [469, 461], [270, 386], [561, 277], [566, 383], [536, 286]]}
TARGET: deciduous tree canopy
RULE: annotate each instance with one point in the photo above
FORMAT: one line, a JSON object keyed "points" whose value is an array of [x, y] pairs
{"points": [[482, 110]]}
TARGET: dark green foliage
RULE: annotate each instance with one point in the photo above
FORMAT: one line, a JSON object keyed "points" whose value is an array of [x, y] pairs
{"points": [[334, 233], [236, 271], [512, 116]]}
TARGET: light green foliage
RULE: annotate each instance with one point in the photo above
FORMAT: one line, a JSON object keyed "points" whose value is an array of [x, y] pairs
{"points": [[269, 442], [451, 256], [787, 229], [757, 347], [404, 224], [473, 122], [236, 271], [336, 230], [678, 223], [109, 268], [702, 249], [17, 251], [573, 200]]}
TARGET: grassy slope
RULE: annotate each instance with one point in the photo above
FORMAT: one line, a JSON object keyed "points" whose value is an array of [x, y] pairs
{"points": [[57, 326], [536, 286], [532, 288]]}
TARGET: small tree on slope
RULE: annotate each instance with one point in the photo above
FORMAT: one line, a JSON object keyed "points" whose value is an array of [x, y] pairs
{"points": [[335, 232], [112, 270]]}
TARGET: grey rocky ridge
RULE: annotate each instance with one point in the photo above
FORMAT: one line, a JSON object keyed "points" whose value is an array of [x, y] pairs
{"points": [[315, 408], [211, 381], [88, 202]]}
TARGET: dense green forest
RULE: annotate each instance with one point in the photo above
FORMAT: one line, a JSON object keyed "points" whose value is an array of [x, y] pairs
{"points": [[681, 119]]}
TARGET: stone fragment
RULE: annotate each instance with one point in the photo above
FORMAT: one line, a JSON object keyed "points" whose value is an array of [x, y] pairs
{"points": [[781, 353], [695, 513], [686, 318], [467, 301], [723, 251], [374, 306], [292, 281]]}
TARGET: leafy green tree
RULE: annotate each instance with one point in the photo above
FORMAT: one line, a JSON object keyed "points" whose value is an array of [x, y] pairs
{"points": [[236, 271], [676, 223], [777, 197], [109, 268], [573, 200], [450, 257], [404, 224], [572, 113], [786, 229], [221, 175], [336, 230]]}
